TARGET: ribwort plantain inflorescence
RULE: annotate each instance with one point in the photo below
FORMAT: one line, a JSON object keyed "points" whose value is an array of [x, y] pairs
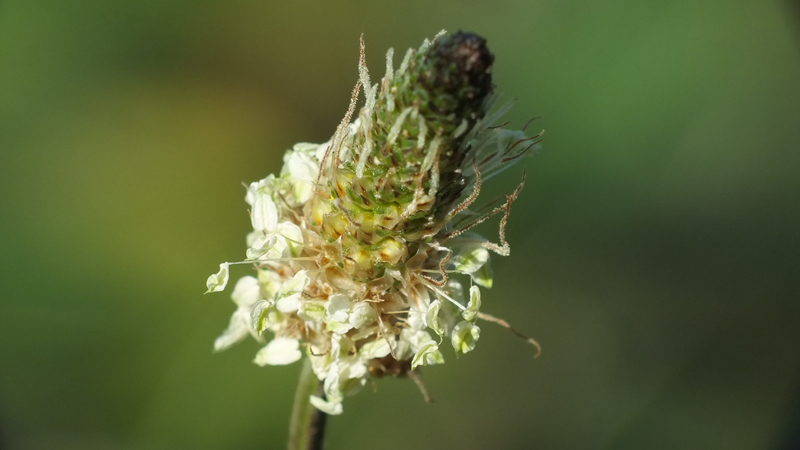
{"points": [[357, 243]]}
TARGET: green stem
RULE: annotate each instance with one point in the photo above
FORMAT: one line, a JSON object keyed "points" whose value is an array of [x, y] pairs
{"points": [[307, 427]]}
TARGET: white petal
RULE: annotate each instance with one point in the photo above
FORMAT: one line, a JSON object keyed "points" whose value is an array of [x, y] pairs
{"points": [[280, 351], [271, 282], [260, 316], [267, 185], [338, 327], [363, 314], [418, 339], [375, 349], [333, 409], [264, 214], [246, 292], [294, 286], [483, 276], [432, 319], [312, 311], [293, 235], [261, 245], [465, 336], [416, 319], [428, 353], [331, 386], [302, 175], [219, 280], [474, 304], [289, 304], [238, 329], [337, 307], [302, 167], [470, 258]]}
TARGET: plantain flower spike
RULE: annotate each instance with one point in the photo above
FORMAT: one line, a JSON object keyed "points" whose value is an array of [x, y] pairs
{"points": [[358, 242]]}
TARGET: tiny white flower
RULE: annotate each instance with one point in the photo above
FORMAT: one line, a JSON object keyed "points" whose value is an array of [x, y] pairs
{"points": [[280, 351], [246, 292], [261, 246], [483, 276], [292, 237], [263, 316], [432, 319], [289, 295], [333, 409], [375, 349], [264, 214], [331, 387], [289, 304], [363, 314], [470, 258], [238, 329], [428, 353], [312, 311], [474, 304], [303, 172], [219, 280], [338, 307], [270, 281], [416, 319], [465, 336]]}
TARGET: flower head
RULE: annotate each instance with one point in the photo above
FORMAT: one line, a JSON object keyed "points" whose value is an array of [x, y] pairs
{"points": [[356, 242]]}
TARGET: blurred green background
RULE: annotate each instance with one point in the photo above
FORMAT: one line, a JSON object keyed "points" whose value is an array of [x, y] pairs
{"points": [[654, 249]]}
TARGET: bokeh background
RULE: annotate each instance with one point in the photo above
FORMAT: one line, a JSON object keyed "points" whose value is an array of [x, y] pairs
{"points": [[654, 249]]}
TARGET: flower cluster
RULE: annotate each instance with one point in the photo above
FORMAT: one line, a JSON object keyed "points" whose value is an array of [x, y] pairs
{"points": [[356, 243]]}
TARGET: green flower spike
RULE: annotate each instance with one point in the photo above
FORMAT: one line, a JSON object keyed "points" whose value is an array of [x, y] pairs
{"points": [[355, 243]]}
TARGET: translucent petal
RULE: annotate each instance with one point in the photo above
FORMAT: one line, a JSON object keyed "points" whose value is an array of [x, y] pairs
{"points": [[266, 185], [260, 246], [338, 307], [289, 304], [264, 214], [465, 336], [295, 285], [416, 319], [432, 319], [330, 386], [280, 351], [483, 276], [428, 353], [375, 349], [418, 339], [333, 409], [293, 237], [219, 280], [300, 172], [307, 148], [246, 292], [474, 304], [338, 327], [363, 314], [260, 316], [470, 258], [238, 329], [312, 311], [270, 281]]}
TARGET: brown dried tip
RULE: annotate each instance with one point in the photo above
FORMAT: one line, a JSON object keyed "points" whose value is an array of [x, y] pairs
{"points": [[462, 67]]}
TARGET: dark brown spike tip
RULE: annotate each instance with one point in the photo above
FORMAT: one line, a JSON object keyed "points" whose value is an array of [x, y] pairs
{"points": [[462, 67]]}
